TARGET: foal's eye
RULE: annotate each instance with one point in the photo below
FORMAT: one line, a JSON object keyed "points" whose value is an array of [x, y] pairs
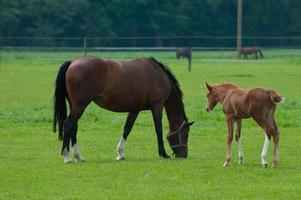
{"points": [[207, 95]]}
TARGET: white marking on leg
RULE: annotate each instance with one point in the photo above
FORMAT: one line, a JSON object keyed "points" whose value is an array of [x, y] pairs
{"points": [[120, 149], [76, 154], [265, 151], [67, 158], [240, 152]]}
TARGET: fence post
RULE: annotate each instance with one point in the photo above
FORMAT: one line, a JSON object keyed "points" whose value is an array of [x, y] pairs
{"points": [[85, 46], [189, 53], [0, 56]]}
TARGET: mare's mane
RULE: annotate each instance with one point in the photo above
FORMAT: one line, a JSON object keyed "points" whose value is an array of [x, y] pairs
{"points": [[173, 79]]}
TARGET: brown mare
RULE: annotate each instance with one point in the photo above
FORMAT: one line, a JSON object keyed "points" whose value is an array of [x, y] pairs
{"points": [[249, 51], [132, 86], [257, 103]]}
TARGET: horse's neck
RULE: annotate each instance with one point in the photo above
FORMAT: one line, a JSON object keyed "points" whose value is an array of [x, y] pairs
{"points": [[224, 93], [175, 111]]}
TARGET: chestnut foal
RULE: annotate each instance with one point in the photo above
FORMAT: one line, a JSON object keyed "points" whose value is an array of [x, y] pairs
{"points": [[258, 103]]}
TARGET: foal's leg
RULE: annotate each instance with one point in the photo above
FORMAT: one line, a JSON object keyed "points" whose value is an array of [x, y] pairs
{"points": [[238, 138], [264, 152], [230, 123], [276, 144], [132, 116], [269, 130], [157, 117]]}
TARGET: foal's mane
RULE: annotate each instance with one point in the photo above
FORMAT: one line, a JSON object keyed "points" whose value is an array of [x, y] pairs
{"points": [[173, 79], [227, 85]]}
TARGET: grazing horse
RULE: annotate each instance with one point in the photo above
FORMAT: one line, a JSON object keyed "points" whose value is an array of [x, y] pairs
{"points": [[249, 51], [257, 103], [132, 86], [184, 52]]}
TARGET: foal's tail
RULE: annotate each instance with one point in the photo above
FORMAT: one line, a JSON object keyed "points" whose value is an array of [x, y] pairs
{"points": [[276, 98], [60, 109]]}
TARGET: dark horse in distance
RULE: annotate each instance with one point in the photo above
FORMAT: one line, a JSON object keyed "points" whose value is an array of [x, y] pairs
{"points": [[249, 51], [131, 86]]}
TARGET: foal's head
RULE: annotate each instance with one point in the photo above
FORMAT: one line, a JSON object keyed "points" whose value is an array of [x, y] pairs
{"points": [[212, 97], [217, 93]]}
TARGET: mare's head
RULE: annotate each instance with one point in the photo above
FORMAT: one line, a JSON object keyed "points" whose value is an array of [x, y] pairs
{"points": [[178, 140]]}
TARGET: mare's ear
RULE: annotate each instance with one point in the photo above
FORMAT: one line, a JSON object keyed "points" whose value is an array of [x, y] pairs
{"points": [[190, 123], [209, 88]]}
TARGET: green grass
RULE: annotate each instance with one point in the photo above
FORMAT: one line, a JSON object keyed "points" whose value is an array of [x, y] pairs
{"points": [[31, 166]]}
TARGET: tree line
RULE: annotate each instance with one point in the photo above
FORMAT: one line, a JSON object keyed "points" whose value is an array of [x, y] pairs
{"points": [[136, 18]]}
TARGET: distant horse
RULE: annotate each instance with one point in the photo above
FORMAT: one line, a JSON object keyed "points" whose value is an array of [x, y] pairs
{"points": [[132, 86], [258, 103], [249, 51], [183, 53]]}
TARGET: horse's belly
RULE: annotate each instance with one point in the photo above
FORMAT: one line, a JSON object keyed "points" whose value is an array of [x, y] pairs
{"points": [[121, 105]]}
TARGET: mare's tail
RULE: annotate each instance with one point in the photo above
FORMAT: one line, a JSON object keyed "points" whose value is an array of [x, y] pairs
{"points": [[60, 109], [275, 97]]}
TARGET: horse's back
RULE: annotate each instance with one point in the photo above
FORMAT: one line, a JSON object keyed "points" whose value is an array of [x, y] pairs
{"points": [[117, 86], [245, 103]]}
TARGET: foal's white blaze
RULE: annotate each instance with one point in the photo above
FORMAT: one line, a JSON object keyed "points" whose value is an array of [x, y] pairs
{"points": [[265, 150], [76, 154], [67, 158], [120, 149], [240, 152]]}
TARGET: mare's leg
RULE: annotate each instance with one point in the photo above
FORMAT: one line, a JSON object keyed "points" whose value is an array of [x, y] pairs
{"points": [[269, 130], [157, 117], [132, 116], [75, 148], [230, 123], [70, 130], [238, 138]]}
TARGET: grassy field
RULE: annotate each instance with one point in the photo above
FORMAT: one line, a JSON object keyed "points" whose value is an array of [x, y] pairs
{"points": [[31, 166]]}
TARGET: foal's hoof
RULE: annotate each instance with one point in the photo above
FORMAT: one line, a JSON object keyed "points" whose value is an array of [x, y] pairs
{"points": [[274, 164], [240, 161], [225, 164], [265, 165], [119, 158]]}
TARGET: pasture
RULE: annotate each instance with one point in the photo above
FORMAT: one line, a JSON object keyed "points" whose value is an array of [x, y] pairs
{"points": [[31, 166]]}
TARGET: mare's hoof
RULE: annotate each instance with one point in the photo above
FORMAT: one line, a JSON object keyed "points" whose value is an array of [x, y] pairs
{"points": [[120, 158], [165, 156], [80, 159], [240, 161], [67, 161], [264, 165]]}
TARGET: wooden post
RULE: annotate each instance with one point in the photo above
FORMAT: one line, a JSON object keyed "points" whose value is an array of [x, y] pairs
{"points": [[190, 54], [0, 57], [85, 46], [239, 28]]}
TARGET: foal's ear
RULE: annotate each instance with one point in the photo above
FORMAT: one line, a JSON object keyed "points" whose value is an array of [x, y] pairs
{"points": [[208, 86], [190, 123]]}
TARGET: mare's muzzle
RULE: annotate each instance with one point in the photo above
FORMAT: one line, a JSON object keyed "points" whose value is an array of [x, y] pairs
{"points": [[177, 144]]}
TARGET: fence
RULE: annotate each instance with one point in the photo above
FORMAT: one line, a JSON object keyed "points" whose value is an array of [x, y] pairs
{"points": [[203, 47]]}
